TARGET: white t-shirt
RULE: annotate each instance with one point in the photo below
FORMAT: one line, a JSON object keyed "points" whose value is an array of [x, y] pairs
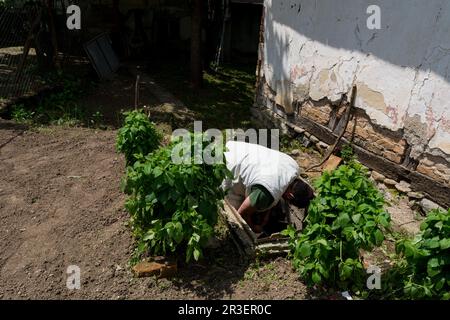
{"points": [[253, 164]]}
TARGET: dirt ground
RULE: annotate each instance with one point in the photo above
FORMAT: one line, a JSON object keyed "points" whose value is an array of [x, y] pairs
{"points": [[60, 205]]}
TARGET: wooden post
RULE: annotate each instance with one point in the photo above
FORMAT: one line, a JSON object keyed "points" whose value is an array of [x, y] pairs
{"points": [[51, 24], [136, 93], [345, 119], [196, 45]]}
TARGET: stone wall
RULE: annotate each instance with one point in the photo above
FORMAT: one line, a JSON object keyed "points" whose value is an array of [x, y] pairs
{"points": [[386, 152], [315, 52]]}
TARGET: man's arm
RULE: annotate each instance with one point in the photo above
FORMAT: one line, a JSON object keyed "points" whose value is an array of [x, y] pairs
{"points": [[259, 199], [246, 210]]}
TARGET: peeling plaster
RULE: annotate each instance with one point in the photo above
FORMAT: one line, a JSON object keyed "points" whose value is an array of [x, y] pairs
{"points": [[402, 71], [371, 98]]}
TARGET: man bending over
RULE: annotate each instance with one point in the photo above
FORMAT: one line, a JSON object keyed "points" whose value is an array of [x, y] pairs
{"points": [[261, 178]]}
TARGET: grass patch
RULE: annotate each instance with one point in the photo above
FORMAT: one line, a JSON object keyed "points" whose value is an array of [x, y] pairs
{"points": [[61, 107], [289, 144], [226, 96]]}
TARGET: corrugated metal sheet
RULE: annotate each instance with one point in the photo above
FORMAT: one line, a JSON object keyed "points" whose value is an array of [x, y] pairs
{"points": [[102, 56]]}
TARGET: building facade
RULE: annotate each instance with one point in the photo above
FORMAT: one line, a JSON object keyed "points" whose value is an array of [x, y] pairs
{"points": [[397, 54]]}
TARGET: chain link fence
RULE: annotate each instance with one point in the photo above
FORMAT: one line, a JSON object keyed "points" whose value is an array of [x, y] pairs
{"points": [[30, 27], [18, 75]]}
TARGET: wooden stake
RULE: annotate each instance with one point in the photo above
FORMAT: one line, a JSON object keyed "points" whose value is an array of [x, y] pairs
{"points": [[27, 45], [346, 119], [136, 93]]}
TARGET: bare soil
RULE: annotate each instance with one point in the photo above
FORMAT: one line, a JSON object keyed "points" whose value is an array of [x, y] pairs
{"points": [[60, 205]]}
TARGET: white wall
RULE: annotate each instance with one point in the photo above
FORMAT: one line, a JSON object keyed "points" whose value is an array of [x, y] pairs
{"points": [[319, 48]]}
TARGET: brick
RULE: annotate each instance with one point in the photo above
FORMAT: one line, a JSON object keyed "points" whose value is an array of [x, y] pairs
{"points": [[432, 173], [362, 132], [385, 143], [318, 114], [425, 170], [160, 269], [398, 148], [332, 163], [372, 147], [392, 156]]}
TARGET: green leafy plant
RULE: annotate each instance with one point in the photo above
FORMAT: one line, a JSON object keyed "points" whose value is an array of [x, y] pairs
{"points": [[58, 108], [96, 120], [346, 216], [427, 259], [20, 114], [173, 205], [288, 144], [138, 136], [347, 153]]}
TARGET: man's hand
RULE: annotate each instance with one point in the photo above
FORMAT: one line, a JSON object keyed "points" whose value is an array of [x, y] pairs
{"points": [[246, 211]]}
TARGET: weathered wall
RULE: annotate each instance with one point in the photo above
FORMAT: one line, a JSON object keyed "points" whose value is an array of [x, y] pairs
{"points": [[315, 51]]}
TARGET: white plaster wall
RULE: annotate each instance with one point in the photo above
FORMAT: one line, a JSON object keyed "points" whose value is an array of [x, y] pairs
{"points": [[322, 47]]}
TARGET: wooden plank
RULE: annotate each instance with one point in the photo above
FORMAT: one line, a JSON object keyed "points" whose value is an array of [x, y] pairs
{"points": [[274, 238], [435, 190], [241, 221], [247, 243]]}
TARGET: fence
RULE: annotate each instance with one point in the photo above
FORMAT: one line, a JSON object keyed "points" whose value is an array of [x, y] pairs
{"points": [[14, 26], [29, 26]]}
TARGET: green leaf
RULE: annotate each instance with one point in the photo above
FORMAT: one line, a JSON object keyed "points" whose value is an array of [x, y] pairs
{"points": [[379, 237], [432, 243], [351, 194], [345, 271], [342, 220], [316, 277], [444, 243], [356, 218], [196, 254], [305, 249], [157, 172], [322, 242], [384, 221], [149, 236]]}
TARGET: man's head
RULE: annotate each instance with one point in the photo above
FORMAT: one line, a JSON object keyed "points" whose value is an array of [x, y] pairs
{"points": [[299, 193]]}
